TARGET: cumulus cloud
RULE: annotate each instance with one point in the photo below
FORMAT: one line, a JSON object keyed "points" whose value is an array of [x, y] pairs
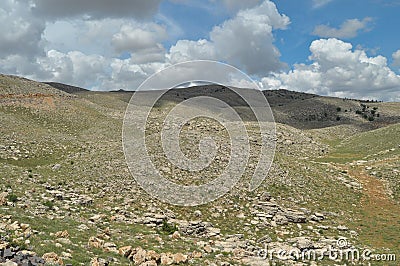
{"points": [[185, 50], [338, 70], [133, 38], [21, 34], [245, 41], [348, 29], [396, 58], [95, 9]]}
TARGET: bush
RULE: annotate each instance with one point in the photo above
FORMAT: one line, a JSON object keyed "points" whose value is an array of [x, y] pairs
{"points": [[168, 228], [338, 118], [12, 197], [338, 109], [49, 204], [371, 118], [358, 112]]}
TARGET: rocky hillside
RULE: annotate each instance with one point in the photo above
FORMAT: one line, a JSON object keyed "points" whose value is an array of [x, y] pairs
{"points": [[67, 197]]}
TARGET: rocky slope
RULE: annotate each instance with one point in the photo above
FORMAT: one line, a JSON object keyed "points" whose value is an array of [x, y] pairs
{"points": [[67, 196]]}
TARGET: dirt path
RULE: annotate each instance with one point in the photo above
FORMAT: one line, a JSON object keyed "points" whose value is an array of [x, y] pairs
{"points": [[379, 215]]}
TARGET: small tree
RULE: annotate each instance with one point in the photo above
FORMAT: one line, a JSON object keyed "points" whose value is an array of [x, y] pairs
{"points": [[338, 109]]}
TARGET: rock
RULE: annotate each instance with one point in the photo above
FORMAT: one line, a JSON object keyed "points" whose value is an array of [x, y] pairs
{"points": [[179, 258], [265, 196], [280, 219], [166, 259], [52, 258], [125, 251], [62, 234], [149, 263], [176, 235], [8, 253], [207, 248], [56, 167], [96, 217], [304, 243], [139, 257], [66, 255], [196, 254], [83, 227], [151, 255], [265, 239], [95, 242], [98, 262], [295, 216], [3, 198], [64, 241], [342, 228], [197, 213], [110, 247], [9, 263]]}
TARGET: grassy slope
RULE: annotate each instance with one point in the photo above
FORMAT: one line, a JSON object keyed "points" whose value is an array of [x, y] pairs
{"points": [[86, 131]]}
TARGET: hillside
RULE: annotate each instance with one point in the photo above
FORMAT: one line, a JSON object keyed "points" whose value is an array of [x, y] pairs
{"points": [[66, 88], [67, 196]]}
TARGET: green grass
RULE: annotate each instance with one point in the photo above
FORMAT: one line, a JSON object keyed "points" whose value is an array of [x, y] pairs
{"points": [[366, 145]]}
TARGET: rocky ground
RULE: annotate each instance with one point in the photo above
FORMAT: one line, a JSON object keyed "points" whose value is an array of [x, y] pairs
{"points": [[67, 197]]}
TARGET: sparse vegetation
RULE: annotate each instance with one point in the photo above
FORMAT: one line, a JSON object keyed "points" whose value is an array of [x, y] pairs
{"points": [[168, 228], [93, 195], [12, 198]]}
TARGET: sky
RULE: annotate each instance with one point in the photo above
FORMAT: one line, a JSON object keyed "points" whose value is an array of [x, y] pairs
{"points": [[329, 47]]}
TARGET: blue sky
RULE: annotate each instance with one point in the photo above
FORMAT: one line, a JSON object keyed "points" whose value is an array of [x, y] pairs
{"points": [[379, 37], [330, 47]]}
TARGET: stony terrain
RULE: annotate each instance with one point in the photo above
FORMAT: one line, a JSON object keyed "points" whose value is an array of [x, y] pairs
{"points": [[67, 197]]}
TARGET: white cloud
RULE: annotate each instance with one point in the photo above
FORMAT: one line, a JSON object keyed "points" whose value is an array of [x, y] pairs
{"points": [[337, 70], [245, 41], [396, 58], [21, 32], [185, 50], [320, 3], [348, 29], [134, 37]]}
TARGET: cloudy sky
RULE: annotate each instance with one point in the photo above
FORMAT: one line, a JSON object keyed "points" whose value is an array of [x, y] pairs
{"points": [[330, 47]]}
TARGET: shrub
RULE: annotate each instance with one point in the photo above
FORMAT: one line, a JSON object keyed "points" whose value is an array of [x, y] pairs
{"points": [[168, 228], [49, 204], [338, 109], [338, 118], [358, 112], [12, 198], [371, 118]]}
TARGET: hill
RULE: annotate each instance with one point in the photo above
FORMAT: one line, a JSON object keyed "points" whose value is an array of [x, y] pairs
{"points": [[64, 87], [67, 196]]}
